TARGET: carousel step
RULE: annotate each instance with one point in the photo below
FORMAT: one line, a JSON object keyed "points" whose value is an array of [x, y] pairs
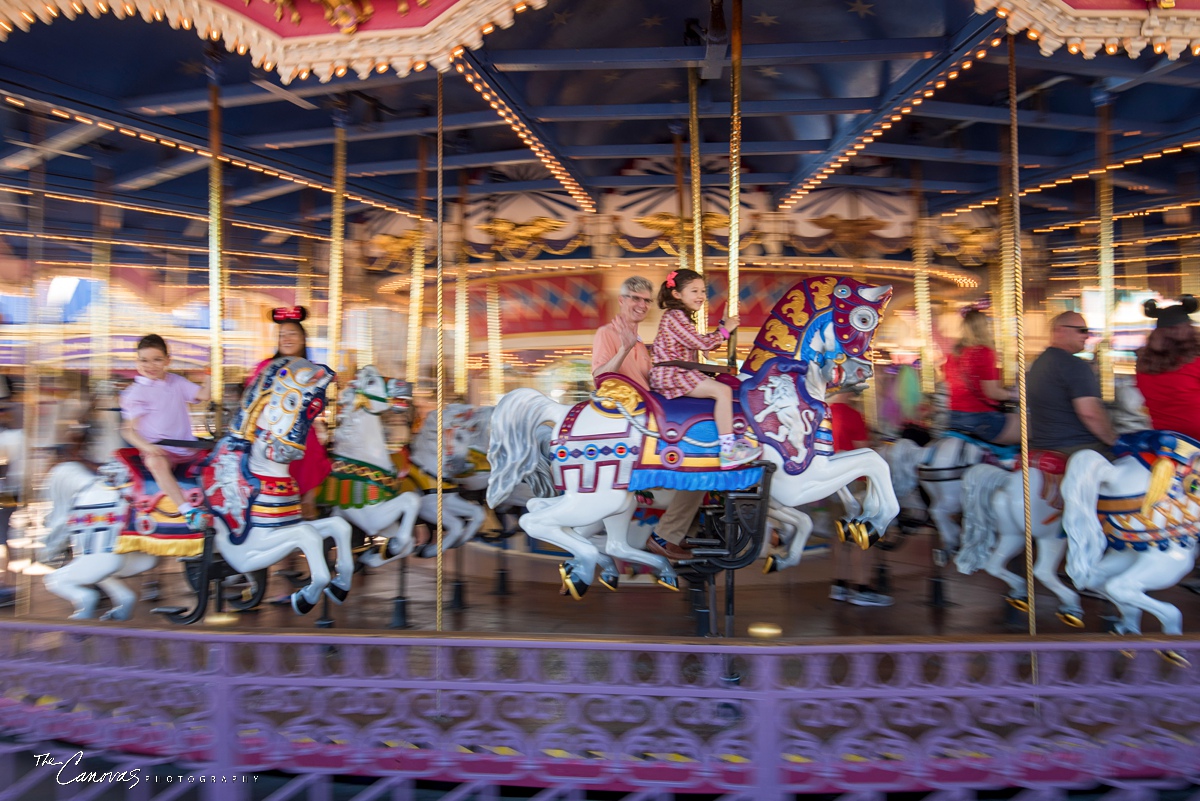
{"points": [[706, 552], [699, 542]]}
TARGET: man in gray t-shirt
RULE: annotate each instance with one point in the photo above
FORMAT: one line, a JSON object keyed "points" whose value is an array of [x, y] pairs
{"points": [[1065, 411]]}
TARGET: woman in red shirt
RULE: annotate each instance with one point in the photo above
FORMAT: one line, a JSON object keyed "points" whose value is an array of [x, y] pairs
{"points": [[974, 385], [1168, 368]]}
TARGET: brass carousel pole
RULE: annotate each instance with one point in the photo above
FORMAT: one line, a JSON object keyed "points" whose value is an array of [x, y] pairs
{"points": [[681, 232], [1014, 188], [920, 247], [1104, 203], [337, 247], [697, 195], [462, 327], [416, 285], [441, 347], [217, 277], [735, 170]]}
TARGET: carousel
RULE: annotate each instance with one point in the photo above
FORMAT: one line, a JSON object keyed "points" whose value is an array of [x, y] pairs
{"points": [[315, 481]]}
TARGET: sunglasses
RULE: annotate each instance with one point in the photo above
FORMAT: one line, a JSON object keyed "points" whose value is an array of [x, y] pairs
{"points": [[1083, 329]]}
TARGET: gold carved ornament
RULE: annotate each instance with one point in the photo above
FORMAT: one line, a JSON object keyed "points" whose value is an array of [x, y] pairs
{"points": [[345, 15], [668, 226], [521, 241], [971, 246], [852, 238]]}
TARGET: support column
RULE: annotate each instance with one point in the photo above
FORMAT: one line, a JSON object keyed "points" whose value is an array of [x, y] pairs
{"points": [[217, 277], [735, 171], [462, 325], [416, 285], [1004, 296], [1104, 208], [920, 249], [337, 243], [696, 185], [495, 352]]}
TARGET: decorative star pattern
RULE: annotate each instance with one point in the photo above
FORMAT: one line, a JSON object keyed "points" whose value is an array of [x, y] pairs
{"points": [[669, 84], [560, 18], [653, 22], [766, 20], [612, 76], [769, 72], [861, 8]]}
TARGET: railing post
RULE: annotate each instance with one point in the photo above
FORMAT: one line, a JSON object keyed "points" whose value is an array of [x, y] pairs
{"points": [[223, 728]]}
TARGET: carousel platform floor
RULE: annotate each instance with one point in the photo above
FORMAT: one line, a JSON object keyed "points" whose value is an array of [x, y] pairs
{"points": [[797, 601]]}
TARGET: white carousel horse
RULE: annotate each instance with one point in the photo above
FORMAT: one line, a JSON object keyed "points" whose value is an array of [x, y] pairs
{"points": [[461, 519], [245, 482], [994, 530], [994, 515], [1132, 525], [818, 333], [365, 487], [940, 466]]}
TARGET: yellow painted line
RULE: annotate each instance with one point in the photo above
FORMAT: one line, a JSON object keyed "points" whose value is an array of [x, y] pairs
{"points": [[734, 758], [796, 758], [670, 757], [854, 758], [504, 750], [558, 753], [47, 700]]}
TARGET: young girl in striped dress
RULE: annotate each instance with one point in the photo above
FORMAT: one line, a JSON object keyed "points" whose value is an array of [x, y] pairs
{"points": [[682, 295]]}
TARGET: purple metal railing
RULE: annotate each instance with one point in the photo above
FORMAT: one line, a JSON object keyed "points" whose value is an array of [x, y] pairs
{"points": [[885, 715]]}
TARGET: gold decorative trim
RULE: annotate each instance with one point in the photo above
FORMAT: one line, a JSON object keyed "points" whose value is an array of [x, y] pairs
{"points": [[1055, 24], [327, 55]]}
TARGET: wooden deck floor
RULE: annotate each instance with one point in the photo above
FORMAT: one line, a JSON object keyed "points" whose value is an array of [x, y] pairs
{"points": [[797, 601]]}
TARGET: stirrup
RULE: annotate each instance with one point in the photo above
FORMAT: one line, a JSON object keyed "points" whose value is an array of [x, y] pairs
{"points": [[198, 519]]}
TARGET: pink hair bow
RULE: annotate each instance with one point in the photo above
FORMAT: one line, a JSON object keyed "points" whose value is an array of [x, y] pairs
{"points": [[671, 278]]}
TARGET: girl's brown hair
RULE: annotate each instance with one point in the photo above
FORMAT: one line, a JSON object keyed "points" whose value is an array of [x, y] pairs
{"points": [[1168, 348], [677, 280]]}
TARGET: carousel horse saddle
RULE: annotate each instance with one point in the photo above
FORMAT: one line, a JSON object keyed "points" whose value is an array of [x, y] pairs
{"points": [[145, 489], [1005, 456], [1169, 510], [1053, 465], [681, 447]]}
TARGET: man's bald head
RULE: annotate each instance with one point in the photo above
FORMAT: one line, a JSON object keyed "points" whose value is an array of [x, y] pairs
{"points": [[1069, 331]]}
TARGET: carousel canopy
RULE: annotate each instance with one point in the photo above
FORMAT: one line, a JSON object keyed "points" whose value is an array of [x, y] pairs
{"points": [[106, 110]]}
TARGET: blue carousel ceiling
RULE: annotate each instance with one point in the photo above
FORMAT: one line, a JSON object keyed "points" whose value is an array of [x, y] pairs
{"points": [[602, 84]]}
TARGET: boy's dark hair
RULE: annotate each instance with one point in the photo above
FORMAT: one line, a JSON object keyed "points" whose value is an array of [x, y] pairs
{"points": [[153, 341], [677, 279]]}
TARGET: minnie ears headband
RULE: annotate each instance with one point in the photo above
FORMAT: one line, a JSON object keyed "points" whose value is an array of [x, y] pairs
{"points": [[1176, 314], [289, 314]]}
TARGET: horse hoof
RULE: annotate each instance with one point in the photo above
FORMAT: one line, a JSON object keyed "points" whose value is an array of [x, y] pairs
{"points": [[336, 594], [1174, 658], [1072, 619], [670, 582], [569, 583], [612, 581], [865, 535], [1020, 604], [840, 527], [300, 604], [770, 566]]}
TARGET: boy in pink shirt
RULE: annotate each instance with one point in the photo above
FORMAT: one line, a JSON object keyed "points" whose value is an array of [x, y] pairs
{"points": [[154, 408]]}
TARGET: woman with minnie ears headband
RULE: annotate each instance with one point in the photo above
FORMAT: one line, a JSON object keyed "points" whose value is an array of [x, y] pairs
{"points": [[682, 295], [1168, 368], [311, 470]]}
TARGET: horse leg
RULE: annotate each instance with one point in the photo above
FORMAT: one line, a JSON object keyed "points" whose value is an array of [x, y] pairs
{"points": [[803, 526], [73, 582], [338, 530], [616, 544], [1153, 570], [554, 518], [1008, 544], [310, 542], [1050, 550], [942, 510], [122, 597], [471, 515]]}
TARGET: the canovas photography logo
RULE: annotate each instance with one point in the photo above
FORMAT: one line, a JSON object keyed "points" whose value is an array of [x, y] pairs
{"points": [[71, 769]]}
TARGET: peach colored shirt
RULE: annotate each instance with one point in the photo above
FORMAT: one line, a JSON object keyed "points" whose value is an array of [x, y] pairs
{"points": [[608, 344]]}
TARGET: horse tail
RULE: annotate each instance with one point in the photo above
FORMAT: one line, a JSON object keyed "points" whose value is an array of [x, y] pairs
{"points": [[1086, 542], [519, 449], [980, 485], [903, 456]]}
